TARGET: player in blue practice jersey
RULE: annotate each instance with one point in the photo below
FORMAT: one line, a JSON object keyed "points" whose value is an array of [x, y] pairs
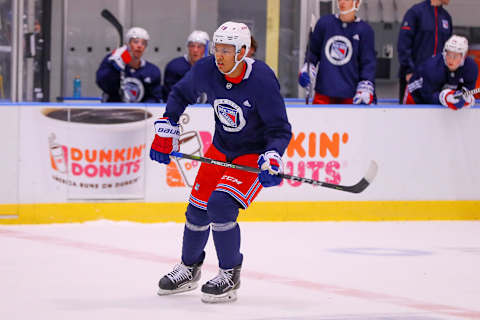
{"points": [[197, 46], [343, 46], [141, 80], [251, 128], [425, 28], [446, 78]]}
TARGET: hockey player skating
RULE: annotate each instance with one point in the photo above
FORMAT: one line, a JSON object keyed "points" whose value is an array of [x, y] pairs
{"points": [[197, 46], [251, 128], [444, 79], [425, 28], [142, 79], [343, 47]]}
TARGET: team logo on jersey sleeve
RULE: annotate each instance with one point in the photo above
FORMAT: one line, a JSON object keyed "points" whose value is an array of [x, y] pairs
{"points": [[229, 114], [445, 24], [338, 50]]}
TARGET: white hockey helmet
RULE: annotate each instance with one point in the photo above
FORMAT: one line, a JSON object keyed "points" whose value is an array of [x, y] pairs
{"points": [[137, 32], [234, 33], [457, 44], [199, 37], [354, 8]]}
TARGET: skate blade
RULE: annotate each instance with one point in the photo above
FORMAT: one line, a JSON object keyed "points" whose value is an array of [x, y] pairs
{"points": [[187, 287], [230, 296]]}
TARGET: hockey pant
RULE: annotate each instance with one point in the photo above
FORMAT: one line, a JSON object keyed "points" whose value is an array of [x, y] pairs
{"points": [[216, 197]]}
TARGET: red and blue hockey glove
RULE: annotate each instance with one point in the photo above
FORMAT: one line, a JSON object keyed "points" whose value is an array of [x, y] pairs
{"points": [[364, 93], [120, 58], [167, 133], [456, 99], [271, 165], [304, 78]]}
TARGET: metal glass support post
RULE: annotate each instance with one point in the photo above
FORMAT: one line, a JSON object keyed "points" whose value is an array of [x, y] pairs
{"points": [[273, 31]]}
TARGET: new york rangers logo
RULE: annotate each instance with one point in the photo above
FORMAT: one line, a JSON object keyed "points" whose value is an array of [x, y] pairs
{"points": [[229, 114], [338, 50], [445, 24], [133, 89]]}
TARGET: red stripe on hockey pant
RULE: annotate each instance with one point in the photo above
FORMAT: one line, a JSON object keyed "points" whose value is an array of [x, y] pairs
{"points": [[241, 183]]}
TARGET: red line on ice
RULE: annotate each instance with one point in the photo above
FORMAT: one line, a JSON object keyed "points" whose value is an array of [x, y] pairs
{"points": [[332, 289]]}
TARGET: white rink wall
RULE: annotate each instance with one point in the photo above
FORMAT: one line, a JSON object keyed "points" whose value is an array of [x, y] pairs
{"points": [[425, 153]]}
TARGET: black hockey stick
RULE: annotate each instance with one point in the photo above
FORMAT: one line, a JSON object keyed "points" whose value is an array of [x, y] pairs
{"points": [[356, 188], [116, 24], [310, 86]]}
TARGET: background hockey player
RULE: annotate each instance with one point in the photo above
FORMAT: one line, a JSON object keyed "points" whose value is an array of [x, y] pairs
{"points": [[197, 47], [425, 28], [343, 46], [442, 79], [253, 48], [142, 79], [251, 128]]}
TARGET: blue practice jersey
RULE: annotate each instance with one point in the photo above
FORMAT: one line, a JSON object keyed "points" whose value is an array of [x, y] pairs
{"points": [[345, 53], [174, 71], [423, 33], [250, 117], [108, 79], [433, 76]]}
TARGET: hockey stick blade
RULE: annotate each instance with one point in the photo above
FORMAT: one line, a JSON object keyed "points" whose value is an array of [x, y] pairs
{"points": [[114, 22], [356, 188]]}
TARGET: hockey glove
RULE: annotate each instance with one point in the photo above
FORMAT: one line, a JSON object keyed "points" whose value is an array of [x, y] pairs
{"points": [[364, 93], [304, 78], [271, 165], [120, 58], [455, 99], [167, 133]]}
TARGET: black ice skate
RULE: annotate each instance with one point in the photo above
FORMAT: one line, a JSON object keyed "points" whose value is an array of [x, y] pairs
{"points": [[182, 278], [222, 288]]}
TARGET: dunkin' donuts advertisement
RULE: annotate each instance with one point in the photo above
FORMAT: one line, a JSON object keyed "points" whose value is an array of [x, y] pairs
{"points": [[95, 153], [102, 153]]}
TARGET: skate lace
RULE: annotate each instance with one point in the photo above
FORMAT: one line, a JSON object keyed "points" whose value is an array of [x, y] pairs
{"points": [[223, 277], [180, 273]]}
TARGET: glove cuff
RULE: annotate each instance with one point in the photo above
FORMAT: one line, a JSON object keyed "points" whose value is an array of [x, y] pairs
{"points": [[365, 86], [269, 158]]}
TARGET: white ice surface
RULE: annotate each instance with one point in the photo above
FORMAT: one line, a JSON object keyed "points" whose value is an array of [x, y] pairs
{"points": [[307, 271]]}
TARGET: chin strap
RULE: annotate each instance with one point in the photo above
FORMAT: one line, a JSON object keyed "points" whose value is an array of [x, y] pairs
{"points": [[237, 62], [354, 8]]}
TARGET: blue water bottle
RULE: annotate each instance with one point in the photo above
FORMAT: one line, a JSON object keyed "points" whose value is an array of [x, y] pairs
{"points": [[77, 87]]}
